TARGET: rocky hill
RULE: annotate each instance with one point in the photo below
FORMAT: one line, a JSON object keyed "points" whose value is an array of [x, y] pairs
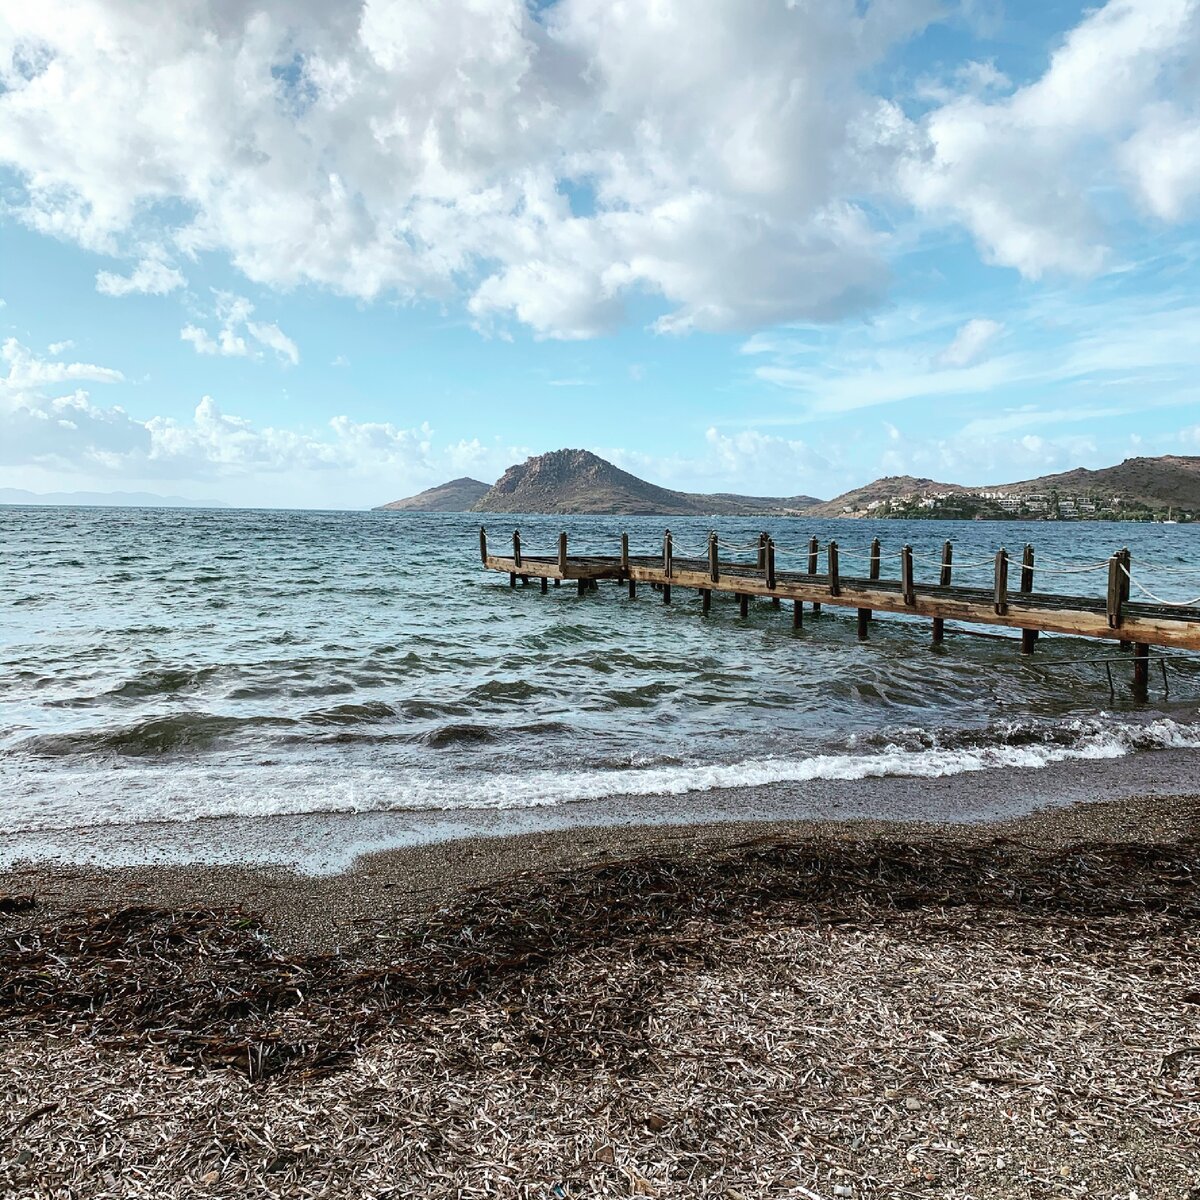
{"points": [[459, 495], [1171, 480], [578, 481], [887, 488]]}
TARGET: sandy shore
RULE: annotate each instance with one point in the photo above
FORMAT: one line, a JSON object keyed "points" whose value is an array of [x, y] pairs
{"points": [[321, 913], [858, 1009]]}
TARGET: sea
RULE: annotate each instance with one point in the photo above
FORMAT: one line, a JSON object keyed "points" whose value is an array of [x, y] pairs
{"points": [[221, 672]]}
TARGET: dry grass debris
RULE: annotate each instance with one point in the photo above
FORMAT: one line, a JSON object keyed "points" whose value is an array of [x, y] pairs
{"points": [[796, 1018]]}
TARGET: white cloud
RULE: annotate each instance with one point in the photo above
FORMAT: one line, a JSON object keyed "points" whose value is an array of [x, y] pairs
{"points": [[57, 348], [26, 370], [970, 342], [151, 277], [234, 314], [1118, 101], [715, 157]]}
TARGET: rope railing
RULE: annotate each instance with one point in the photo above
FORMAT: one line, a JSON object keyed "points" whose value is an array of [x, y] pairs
{"points": [[1141, 587]]}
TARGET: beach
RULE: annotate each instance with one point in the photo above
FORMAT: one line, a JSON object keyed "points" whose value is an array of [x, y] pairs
{"points": [[858, 1008]]}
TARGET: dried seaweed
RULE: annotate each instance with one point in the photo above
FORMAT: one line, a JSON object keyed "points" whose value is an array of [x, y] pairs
{"points": [[807, 1019]]}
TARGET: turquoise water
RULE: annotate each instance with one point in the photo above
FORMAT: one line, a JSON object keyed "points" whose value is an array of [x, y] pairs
{"points": [[175, 665]]}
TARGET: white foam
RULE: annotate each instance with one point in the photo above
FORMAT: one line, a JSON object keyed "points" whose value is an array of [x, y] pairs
{"points": [[91, 796]]}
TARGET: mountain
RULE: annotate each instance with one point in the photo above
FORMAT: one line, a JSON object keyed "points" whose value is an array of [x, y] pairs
{"points": [[459, 495], [103, 499], [578, 481], [1169, 481], [887, 488]]}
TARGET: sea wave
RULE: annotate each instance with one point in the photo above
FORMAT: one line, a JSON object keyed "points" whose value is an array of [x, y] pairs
{"points": [[185, 792]]}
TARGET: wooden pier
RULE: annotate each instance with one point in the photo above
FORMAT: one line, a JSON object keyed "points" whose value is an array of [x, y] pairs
{"points": [[1009, 598]]}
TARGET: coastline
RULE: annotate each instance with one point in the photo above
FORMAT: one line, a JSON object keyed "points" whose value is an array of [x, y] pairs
{"points": [[322, 912]]}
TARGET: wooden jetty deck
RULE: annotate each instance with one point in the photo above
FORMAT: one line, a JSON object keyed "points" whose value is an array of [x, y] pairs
{"points": [[1009, 598]]}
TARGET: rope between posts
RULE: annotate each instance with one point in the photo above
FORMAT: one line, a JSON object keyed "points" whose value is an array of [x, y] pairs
{"points": [[1158, 599]]}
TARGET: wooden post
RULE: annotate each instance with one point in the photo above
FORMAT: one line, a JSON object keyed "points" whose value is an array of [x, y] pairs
{"points": [[835, 586], [516, 547], [667, 554], [581, 586], [483, 545], [813, 547], [763, 539], [562, 553], [705, 600], [512, 579], [1029, 637], [624, 553], [874, 572], [1114, 591], [797, 614], [769, 563], [743, 604], [632, 588], [864, 621], [1001, 595], [1141, 667], [666, 593], [1126, 565], [545, 585], [557, 582], [906, 576], [714, 567], [939, 625]]}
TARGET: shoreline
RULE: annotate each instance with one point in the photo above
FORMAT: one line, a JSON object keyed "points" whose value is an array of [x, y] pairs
{"points": [[324, 912]]}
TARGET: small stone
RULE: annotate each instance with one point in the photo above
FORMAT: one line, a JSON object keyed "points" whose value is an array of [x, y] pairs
{"points": [[912, 1104], [604, 1155]]}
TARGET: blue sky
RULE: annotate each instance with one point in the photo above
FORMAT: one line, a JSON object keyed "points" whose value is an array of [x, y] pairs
{"points": [[312, 255]]}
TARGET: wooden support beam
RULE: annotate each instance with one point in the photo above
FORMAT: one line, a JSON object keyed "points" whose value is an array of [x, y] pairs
{"points": [[907, 587], [797, 614], [714, 567], [1001, 590], [705, 600], [1028, 636], [517, 547], [632, 588], [483, 545], [1126, 566], [939, 631], [562, 553], [769, 564], [581, 586], [1113, 600], [1141, 668], [813, 548], [668, 553], [874, 572], [763, 539], [947, 564], [557, 582], [864, 622], [624, 552], [666, 593], [545, 585], [835, 586], [512, 579], [743, 604]]}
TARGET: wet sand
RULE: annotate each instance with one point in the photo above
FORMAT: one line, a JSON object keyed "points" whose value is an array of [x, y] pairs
{"points": [[323, 912]]}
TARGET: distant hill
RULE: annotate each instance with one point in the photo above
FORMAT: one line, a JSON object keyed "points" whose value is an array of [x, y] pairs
{"points": [[103, 499], [887, 488], [1171, 480], [578, 481], [459, 495]]}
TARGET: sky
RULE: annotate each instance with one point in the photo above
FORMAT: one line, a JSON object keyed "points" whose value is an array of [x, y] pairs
{"points": [[290, 253]]}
